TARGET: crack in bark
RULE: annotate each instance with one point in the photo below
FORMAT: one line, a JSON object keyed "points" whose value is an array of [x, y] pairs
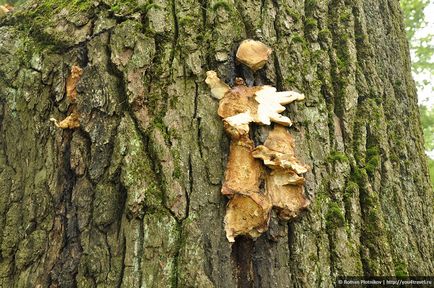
{"points": [[204, 8], [175, 35], [124, 252], [242, 252], [290, 250], [138, 252], [248, 28], [279, 80], [65, 268], [275, 26], [198, 119]]}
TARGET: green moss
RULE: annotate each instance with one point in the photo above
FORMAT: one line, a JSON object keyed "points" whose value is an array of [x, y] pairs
{"points": [[290, 80], [48, 8], [159, 124], [342, 64], [345, 16], [350, 189], [373, 164], [38, 21], [294, 14], [337, 156], [310, 23], [358, 175], [31, 248], [321, 198], [310, 4], [401, 269], [373, 214], [137, 175], [150, 6], [372, 151], [373, 159], [324, 35], [361, 38], [335, 216], [177, 172], [222, 4], [185, 20], [297, 38], [126, 6]]}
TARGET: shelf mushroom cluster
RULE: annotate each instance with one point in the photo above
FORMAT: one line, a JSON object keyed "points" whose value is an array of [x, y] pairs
{"points": [[249, 207]]}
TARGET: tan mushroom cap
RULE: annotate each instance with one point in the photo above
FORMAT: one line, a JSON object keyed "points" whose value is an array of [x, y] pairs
{"points": [[285, 189], [243, 172], [217, 86], [280, 140], [71, 83], [277, 160], [253, 53], [70, 122], [278, 151], [239, 100], [247, 215]]}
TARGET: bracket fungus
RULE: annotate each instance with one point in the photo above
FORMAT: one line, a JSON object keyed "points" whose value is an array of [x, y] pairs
{"points": [[247, 215], [253, 54], [242, 105], [278, 151], [71, 83], [218, 87], [274, 162], [243, 172], [284, 185], [72, 120]]}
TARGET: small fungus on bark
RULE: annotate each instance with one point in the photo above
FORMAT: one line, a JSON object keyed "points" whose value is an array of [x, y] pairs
{"points": [[71, 83], [253, 54], [218, 87], [72, 120], [247, 215]]}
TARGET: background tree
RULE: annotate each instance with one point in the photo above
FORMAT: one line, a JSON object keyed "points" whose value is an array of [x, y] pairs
{"points": [[421, 46], [427, 121], [132, 197], [422, 51]]}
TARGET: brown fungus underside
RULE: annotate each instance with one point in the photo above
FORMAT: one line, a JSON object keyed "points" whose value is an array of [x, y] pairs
{"points": [[249, 207]]}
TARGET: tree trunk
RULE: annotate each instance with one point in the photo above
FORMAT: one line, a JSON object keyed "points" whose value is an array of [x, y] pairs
{"points": [[132, 197]]}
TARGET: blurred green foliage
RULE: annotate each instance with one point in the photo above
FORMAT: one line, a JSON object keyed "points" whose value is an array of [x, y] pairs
{"points": [[421, 46], [427, 120], [422, 49]]}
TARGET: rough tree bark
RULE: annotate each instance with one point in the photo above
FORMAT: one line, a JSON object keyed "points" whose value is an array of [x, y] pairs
{"points": [[132, 197]]}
